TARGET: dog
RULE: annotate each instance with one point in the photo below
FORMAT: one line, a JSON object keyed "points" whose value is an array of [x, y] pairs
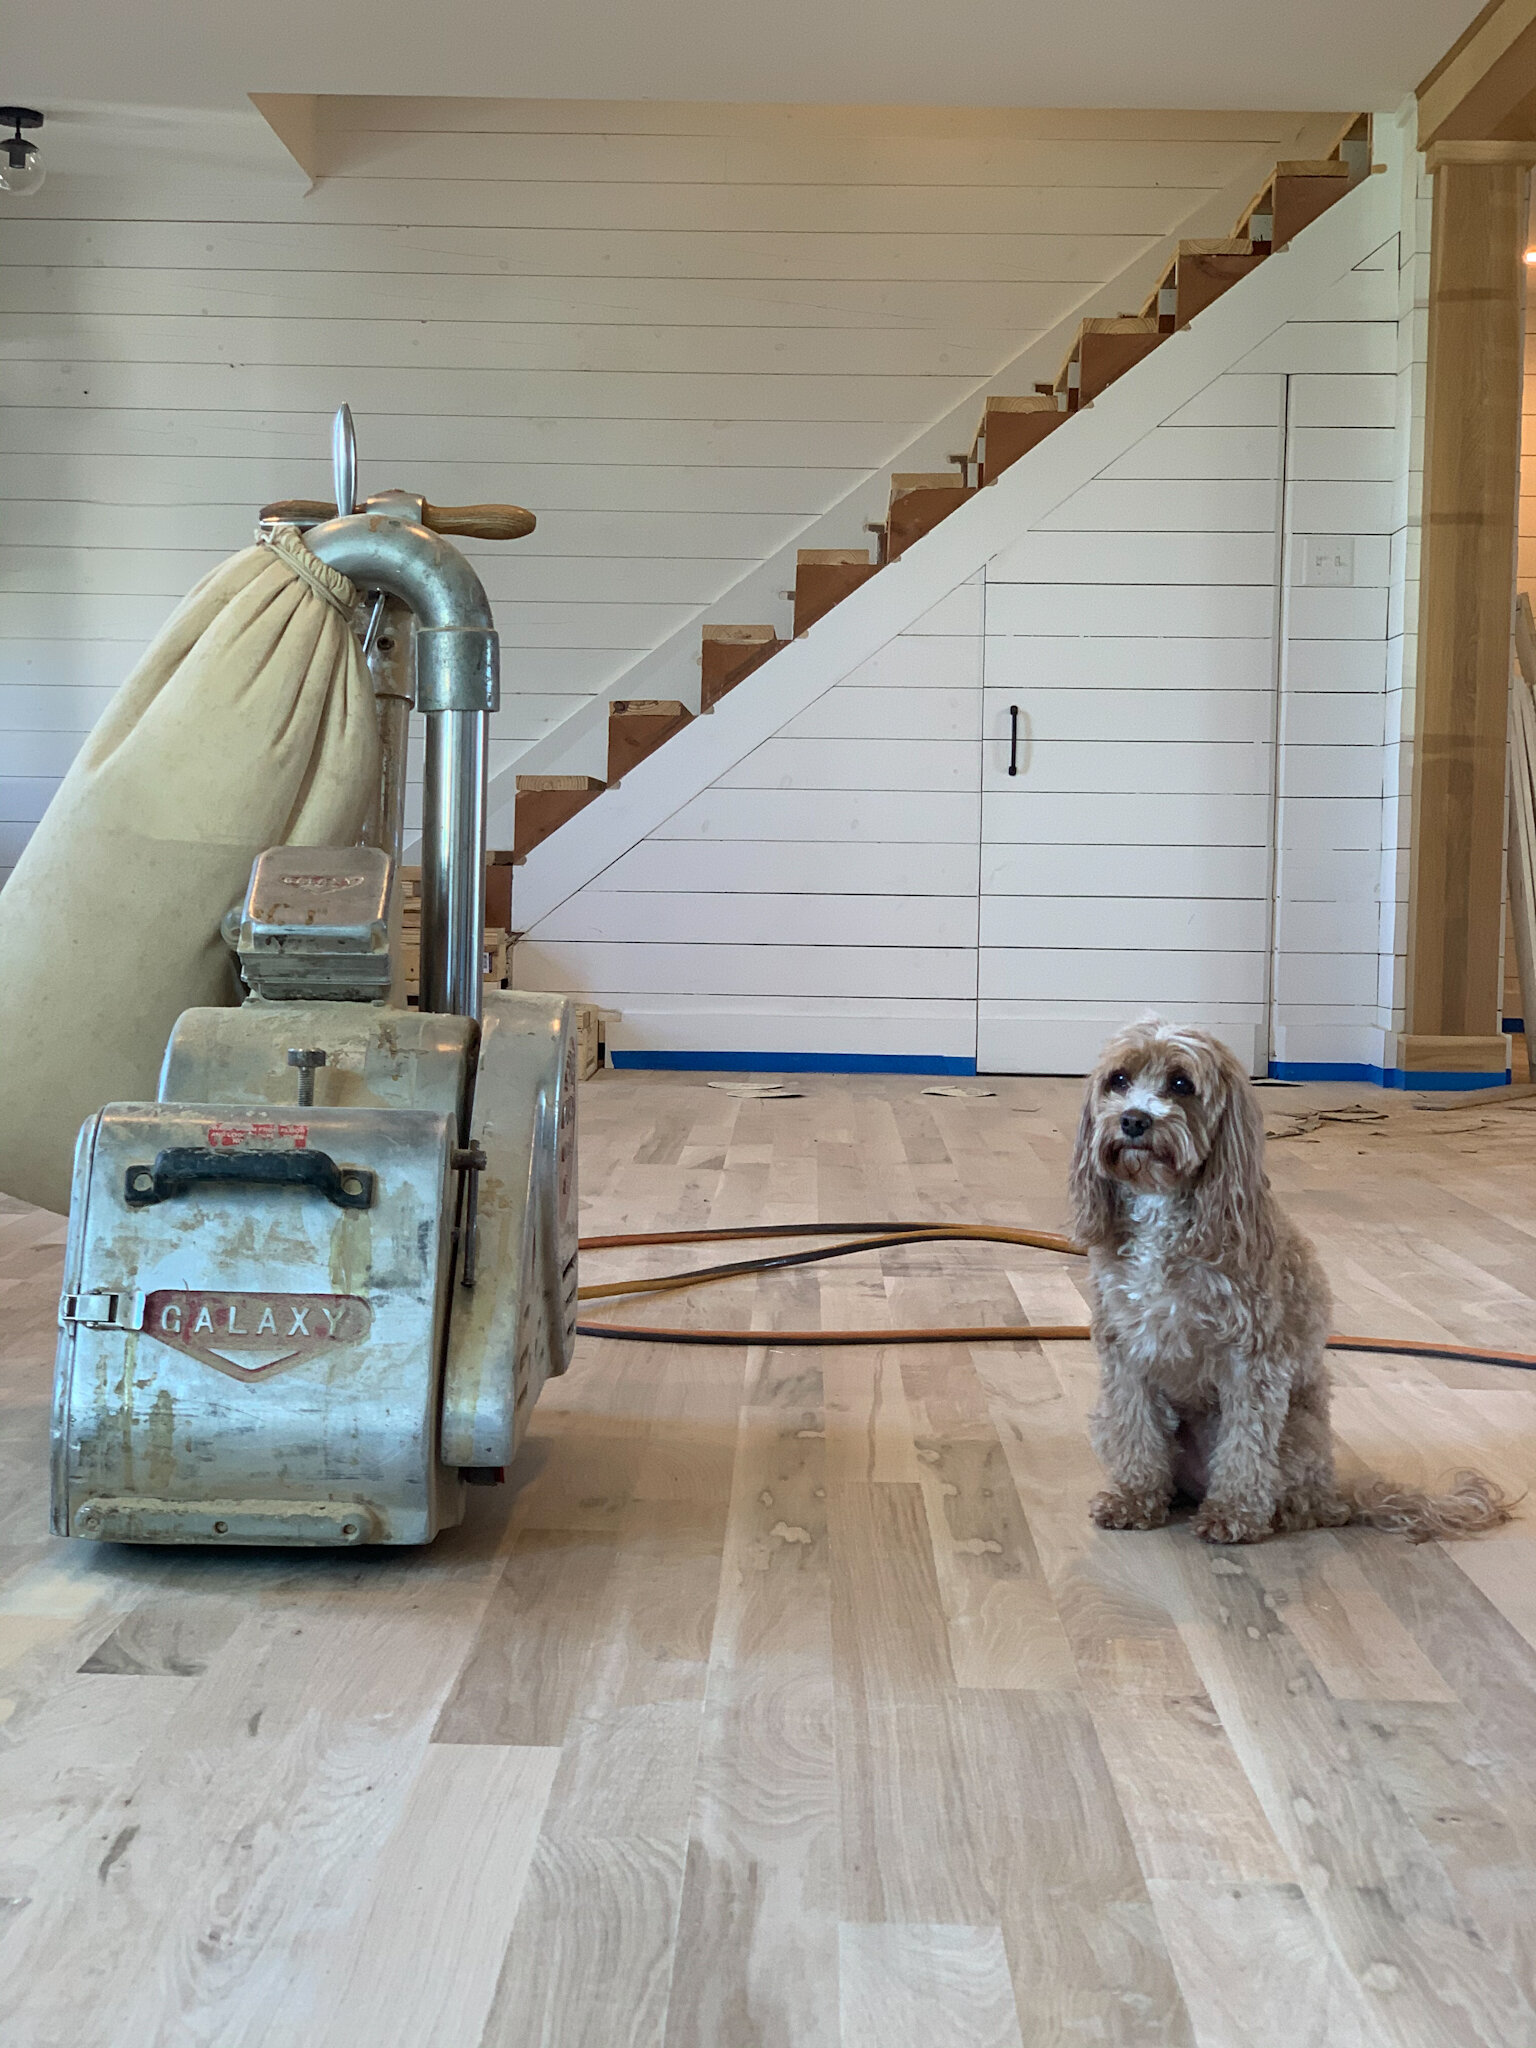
{"points": [[1210, 1312]]}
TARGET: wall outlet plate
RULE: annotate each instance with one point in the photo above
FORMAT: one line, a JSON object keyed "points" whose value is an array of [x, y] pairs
{"points": [[1328, 560]]}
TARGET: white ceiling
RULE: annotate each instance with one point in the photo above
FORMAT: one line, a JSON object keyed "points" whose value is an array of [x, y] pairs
{"points": [[1074, 53]]}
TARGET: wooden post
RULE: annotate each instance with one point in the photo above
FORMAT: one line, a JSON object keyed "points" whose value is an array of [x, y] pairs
{"points": [[1466, 599]]}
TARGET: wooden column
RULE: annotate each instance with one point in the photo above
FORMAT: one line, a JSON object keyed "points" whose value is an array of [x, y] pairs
{"points": [[1466, 598]]}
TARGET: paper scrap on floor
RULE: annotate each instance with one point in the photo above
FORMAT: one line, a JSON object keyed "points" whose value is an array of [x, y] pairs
{"points": [[756, 1091], [965, 1094]]}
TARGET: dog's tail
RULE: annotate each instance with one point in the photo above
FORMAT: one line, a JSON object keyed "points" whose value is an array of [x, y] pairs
{"points": [[1472, 1503]]}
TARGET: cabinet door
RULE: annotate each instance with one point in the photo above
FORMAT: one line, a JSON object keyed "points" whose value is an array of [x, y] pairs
{"points": [[1129, 775]]}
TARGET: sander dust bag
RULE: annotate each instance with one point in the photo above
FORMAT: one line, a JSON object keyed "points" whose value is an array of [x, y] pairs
{"points": [[249, 723]]}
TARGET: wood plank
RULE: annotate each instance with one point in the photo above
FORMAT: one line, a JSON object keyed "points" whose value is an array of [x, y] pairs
{"points": [[1376, 1887], [1287, 1799], [1351, 1637], [925, 1987], [447, 1886], [1257, 1970], [756, 1938]]}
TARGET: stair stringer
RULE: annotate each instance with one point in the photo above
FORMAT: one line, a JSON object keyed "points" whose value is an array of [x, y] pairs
{"points": [[885, 607], [670, 670]]}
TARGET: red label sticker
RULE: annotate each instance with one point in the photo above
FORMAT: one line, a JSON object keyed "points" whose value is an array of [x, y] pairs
{"points": [[222, 1137], [254, 1336]]}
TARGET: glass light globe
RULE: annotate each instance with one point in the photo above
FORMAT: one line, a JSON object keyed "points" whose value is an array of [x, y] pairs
{"points": [[21, 169]]}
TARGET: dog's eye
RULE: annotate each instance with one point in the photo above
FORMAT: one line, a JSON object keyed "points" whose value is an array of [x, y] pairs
{"points": [[1180, 1084], [1118, 1082]]}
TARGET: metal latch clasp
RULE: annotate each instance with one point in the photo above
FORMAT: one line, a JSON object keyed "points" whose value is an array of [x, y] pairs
{"points": [[121, 1311], [470, 1161]]}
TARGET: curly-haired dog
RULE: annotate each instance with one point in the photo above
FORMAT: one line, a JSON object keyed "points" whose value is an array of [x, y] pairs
{"points": [[1210, 1312]]}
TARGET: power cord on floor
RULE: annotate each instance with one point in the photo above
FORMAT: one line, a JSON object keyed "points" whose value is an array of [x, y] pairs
{"points": [[883, 1237]]}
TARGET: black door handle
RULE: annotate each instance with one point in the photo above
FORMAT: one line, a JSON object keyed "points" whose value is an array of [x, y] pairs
{"points": [[1013, 744]]}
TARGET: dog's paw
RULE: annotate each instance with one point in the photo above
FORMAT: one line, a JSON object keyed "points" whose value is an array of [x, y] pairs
{"points": [[1118, 1509], [1225, 1522]]}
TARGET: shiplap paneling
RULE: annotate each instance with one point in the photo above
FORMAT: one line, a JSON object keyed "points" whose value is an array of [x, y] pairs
{"points": [[837, 864], [1129, 864], [1346, 465], [1322, 384], [1064, 940], [678, 333]]}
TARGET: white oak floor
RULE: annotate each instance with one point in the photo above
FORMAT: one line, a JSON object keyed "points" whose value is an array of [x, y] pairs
{"points": [[787, 1697]]}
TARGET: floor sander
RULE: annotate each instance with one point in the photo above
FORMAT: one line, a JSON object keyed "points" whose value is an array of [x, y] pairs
{"points": [[312, 1291]]}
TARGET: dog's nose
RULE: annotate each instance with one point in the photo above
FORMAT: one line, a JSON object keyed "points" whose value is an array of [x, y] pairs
{"points": [[1135, 1126]]}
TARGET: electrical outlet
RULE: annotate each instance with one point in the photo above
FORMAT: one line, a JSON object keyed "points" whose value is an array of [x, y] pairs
{"points": [[1329, 560]]}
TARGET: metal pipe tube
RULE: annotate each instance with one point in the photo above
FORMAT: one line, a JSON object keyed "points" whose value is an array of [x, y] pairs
{"points": [[453, 862], [408, 561], [391, 663], [456, 680]]}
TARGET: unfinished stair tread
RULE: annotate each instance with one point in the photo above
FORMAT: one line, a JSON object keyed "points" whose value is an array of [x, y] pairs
{"points": [[1095, 331], [729, 654], [926, 480], [1216, 245], [1205, 275], [1122, 323], [1010, 435], [919, 503], [544, 803], [824, 577], [1104, 353], [1311, 167], [1034, 401], [637, 726]]}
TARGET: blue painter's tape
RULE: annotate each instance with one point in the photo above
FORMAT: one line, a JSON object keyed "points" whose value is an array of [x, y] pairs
{"points": [[1382, 1077], [795, 1062]]}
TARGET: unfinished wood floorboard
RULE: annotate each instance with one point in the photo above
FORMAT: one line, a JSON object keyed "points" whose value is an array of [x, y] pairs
{"points": [[926, 1987], [787, 1698]]}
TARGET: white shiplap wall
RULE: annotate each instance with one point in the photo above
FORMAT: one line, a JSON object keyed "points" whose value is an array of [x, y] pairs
{"points": [[1126, 867], [1160, 628], [821, 896], [680, 333]]}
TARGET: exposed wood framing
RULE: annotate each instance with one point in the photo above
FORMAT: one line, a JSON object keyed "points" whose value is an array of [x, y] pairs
{"points": [[1471, 468]]}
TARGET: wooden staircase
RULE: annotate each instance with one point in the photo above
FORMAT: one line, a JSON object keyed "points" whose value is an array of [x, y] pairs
{"points": [[1290, 199]]}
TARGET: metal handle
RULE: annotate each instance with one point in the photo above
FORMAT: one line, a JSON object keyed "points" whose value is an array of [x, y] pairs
{"points": [[1013, 743], [475, 522], [180, 1168], [344, 459]]}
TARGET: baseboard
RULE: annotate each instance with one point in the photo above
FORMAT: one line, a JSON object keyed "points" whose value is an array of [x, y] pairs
{"points": [[793, 1062], [1382, 1077]]}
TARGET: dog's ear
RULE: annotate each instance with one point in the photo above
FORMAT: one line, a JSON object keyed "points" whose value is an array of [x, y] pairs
{"points": [[1233, 1216], [1095, 1197]]}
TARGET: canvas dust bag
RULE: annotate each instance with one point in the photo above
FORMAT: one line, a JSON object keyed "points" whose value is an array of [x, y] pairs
{"points": [[249, 723]]}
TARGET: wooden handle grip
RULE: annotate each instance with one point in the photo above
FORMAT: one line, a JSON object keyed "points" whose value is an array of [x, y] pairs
{"points": [[298, 511], [475, 522], [482, 522]]}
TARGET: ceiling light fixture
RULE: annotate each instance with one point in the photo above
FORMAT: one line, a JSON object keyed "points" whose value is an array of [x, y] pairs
{"points": [[21, 162]]}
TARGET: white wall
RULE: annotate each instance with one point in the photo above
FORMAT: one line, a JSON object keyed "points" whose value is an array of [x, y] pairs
{"points": [[821, 895], [1162, 624], [679, 333]]}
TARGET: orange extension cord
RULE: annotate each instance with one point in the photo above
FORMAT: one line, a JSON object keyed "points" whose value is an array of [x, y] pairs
{"points": [[870, 1237]]}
